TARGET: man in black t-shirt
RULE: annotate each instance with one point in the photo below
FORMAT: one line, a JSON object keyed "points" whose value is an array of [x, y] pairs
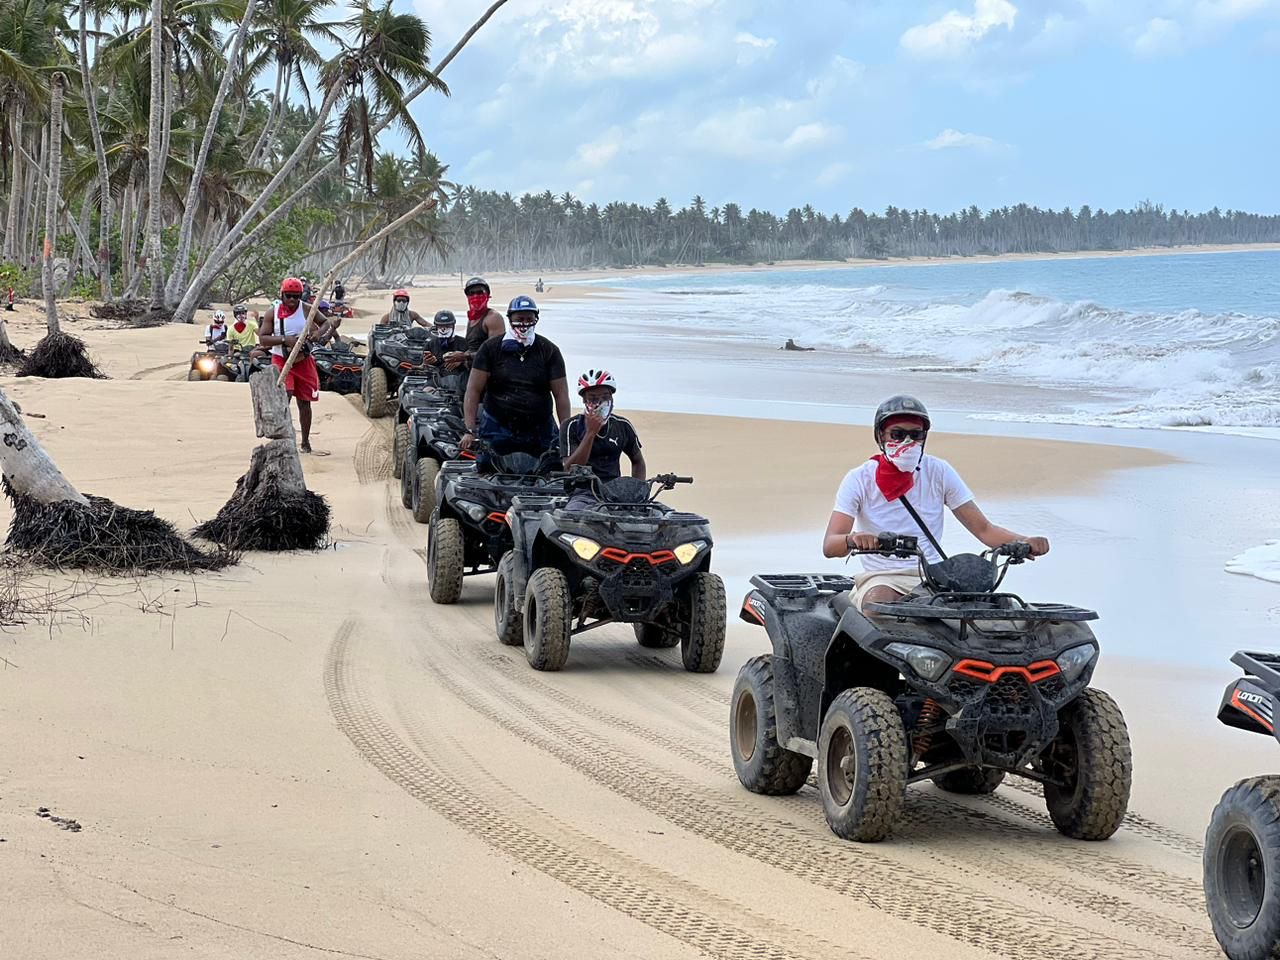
{"points": [[483, 322], [599, 437], [518, 375], [444, 349]]}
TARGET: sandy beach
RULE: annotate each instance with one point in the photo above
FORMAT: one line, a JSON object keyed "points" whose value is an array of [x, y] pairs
{"points": [[305, 757]]}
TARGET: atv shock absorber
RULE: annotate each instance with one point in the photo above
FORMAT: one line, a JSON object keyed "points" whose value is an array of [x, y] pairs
{"points": [[922, 738]]}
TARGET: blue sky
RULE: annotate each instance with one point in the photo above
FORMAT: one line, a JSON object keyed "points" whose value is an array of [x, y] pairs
{"points": [[844, 103]]}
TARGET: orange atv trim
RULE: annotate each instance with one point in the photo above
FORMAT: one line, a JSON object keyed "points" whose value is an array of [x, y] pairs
{"points": [[1249, 711], [752, 612], [497, 517], [990, 673], [655, 559]]}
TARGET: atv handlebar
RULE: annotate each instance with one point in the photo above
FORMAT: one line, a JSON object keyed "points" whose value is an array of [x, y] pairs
{"points": [[668, 481]]}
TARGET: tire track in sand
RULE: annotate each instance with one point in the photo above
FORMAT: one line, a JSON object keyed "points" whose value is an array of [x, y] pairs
{"points": [[372, 458], [377, 743]]}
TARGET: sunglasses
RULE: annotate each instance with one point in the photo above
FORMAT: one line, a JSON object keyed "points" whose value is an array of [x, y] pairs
{"points": [[402, 300], [898, 434], [290, 296]]}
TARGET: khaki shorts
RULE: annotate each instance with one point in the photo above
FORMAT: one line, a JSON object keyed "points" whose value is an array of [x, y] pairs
{"points": [[904, 581]]}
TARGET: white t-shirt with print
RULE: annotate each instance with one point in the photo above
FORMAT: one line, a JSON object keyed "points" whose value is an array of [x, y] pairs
{"points": [[937, 488]]}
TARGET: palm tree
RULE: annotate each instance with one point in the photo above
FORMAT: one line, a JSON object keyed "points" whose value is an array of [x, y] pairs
{"points": [[53, 212]]}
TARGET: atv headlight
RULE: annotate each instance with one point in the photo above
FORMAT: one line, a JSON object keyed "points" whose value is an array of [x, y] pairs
{"points": [[687, 551], [472, 510], [926, 661], [582, 546], [1072, 662], [206, 364]]}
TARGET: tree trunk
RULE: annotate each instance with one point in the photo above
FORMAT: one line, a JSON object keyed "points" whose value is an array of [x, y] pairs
{"points": [[80, 235], [278, 457], [12, 223], [255, 155], [104, 177], [26, 465], [35, 209], [52, 216], [155, 157], [179, 276], [225, 254]]}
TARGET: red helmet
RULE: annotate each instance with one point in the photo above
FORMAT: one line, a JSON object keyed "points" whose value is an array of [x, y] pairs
{"points": [[596, 378], [291, 285], [400, 293]]}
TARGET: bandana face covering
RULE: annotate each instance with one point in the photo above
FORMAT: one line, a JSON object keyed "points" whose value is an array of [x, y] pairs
{"points": [[477, 306], [402, 306], [240, 325], [904, 454], [896, 467], [523, 334], [601, 408]]}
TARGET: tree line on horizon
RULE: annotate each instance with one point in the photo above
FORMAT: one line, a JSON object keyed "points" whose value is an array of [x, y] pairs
{"points": [[484, 229]]}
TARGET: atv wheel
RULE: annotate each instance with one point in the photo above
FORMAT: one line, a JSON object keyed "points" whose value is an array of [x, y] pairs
{"points": [[862, 765], [399, 444], [971, 781], [193, 375], [424, 488], [702, 646], [223, 378], [444, 559], [654, 637], [546, 619], [1091, 757], [375, 397], [506, 618], [408, 474], [1242, 870], [763, 765]]}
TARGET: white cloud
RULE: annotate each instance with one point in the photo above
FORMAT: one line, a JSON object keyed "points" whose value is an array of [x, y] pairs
{"points": [[954, 32], [809, 135], [840, 74], [599, 152], [833, 173], [1160, 37], [955, 140], [1229, 11], [751, 40]]}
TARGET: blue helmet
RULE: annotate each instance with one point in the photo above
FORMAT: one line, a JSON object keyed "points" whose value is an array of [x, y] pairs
{"points": [[522, 304]]}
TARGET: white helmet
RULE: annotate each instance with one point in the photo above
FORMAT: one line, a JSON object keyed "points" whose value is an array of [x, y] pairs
{"points": [[219, 316], [596, 378]]}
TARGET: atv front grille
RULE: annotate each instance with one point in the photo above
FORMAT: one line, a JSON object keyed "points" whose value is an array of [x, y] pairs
{"points": [[637, 576], [1011, 698]]}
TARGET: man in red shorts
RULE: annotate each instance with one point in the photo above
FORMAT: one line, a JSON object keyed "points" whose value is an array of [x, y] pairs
{"points": [[280, 330]]}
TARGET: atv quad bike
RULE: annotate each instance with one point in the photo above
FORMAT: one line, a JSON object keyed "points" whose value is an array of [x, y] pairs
{"points": [[211, 363], [415, 390], [1242, 845], [625, 558], [430, 436], [955, 683], [340, 368], [394, 352], [468, 533]]}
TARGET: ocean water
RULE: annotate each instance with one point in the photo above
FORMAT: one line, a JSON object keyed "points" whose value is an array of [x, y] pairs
{"points": [[1178, 340]]}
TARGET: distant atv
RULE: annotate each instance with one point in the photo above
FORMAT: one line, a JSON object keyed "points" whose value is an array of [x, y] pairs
{"points": [[394, 352], [626, 558], [955, 683], [1242, 845], [468, 533], [243, 364], [341, 369], [212, 363], [430, 436]]}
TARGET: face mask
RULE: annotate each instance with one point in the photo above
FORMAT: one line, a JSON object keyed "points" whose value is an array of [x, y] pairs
{"points": [[401, 306], [444, 333], [904, 454], [523, 335], [601, 408], [477, 305]]}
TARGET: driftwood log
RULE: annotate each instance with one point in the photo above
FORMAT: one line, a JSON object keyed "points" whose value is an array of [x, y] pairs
{"points": [[271, 508]]}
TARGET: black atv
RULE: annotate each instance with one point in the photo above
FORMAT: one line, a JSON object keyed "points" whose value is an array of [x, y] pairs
{"points": [[243, 364], [394, 352], [430, 436], [617, 556], [955, 683], [415, 390], [1242, 845], [468, 532], [340, 368], [211, 363]]}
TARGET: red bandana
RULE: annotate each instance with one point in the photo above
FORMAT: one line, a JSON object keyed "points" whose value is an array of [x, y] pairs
{"points": [[477, 307], [892, 482]]}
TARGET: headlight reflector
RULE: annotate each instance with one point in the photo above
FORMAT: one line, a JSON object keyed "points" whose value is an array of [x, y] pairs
{"points": [[687, 551], [926, 661], [1072, 662], [584, 547]]}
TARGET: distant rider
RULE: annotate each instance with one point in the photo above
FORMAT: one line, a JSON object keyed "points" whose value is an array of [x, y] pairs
{"points": [[518, 375], [339, 291], [446, 348], [216, 331], [598, 437], [483, 322], [289, 318], [871, 501], [243, 334], [400, 315]]}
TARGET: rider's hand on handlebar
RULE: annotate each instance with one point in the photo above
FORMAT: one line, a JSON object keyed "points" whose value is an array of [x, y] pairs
{"points": [[1039, 546], [863, 541], [454, 359], [468, 441]]}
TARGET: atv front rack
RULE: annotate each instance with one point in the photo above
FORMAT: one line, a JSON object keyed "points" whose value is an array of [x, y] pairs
{"points": [[979, 606], [798, 586], [1265, 667]]}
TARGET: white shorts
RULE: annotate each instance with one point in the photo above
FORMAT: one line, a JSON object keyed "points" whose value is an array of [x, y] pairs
{"points": [[903, 581]]}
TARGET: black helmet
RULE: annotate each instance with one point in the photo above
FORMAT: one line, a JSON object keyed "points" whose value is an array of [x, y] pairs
{"points": [[474, 282], [445, 318], [902, 405]]}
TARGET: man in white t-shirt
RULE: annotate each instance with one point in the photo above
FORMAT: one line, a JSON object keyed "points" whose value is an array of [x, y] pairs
{"points": [[870, 502]]}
